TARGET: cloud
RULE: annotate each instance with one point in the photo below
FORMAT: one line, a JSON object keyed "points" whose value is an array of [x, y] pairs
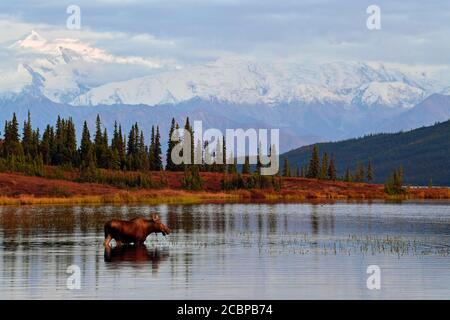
{"points": [[192, 31], [35, 43]]}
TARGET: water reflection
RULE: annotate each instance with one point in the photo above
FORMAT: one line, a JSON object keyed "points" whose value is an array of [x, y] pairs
{"points": [[229, 251], [138, 255]]}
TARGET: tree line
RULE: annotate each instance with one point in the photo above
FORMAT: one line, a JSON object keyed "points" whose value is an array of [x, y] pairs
{"points": [[324, 168], [29, 151]]}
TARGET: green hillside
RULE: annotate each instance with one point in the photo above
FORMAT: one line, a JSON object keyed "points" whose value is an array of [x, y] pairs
{"points": [[424, 154]]}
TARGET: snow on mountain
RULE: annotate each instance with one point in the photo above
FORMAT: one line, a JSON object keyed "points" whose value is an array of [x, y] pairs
{"points": [[36, 43], [390, 94], [243, 81], [66, 67], [71, 71]]}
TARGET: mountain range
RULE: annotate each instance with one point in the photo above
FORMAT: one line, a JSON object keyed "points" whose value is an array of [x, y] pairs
{"points": [[308, 101]]}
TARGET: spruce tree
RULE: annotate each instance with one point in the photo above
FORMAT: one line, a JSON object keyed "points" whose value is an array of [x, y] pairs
{"points": [[46, 145], [12, 145], [143, 162], [71, 143], [151, 150], [324, 166], [258, 159], [85, 146], [332, 170], [98, 142], [303, 172], [224, 155], [36, 138], [347, 176], [219, 160], [170, 166], [178, 167], [27, 137], [130, 148], [246, 166], [189, 129], [370, 174], [359, 172], [207, 156], [157, 151], [231, 164], [286, 168], [60, 148], [199, 155], [314, 164]]}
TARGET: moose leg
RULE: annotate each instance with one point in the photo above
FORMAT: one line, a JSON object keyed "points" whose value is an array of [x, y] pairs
{"points": [[108, 239]]}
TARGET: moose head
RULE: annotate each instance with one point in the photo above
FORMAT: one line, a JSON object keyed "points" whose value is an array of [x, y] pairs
{"points": [[157, 226]]}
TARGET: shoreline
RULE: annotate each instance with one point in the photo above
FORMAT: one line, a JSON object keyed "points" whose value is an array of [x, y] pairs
{"points": [[166, 196], [18, 190]]}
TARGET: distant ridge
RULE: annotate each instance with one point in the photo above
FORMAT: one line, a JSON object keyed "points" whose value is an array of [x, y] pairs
{"points": [[424, 154]]}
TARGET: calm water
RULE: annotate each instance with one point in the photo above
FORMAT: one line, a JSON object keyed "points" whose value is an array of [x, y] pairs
{"points": [[254, 251]]}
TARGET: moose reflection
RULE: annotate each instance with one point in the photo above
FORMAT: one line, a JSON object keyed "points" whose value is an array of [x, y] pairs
{"points": [[134, 231], [130, 253]]}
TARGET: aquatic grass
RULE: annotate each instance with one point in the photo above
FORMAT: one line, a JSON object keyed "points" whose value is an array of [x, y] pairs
{"points": [[169, 197]]}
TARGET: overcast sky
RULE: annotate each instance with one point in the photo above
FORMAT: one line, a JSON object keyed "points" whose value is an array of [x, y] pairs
{"points": [[191, 31]]}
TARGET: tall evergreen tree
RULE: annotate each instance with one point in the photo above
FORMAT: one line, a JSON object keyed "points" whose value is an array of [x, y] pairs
{"points": [[85, 144], [324, 167], [170, 166], [286, 168], [27, 137], [331, 174], [224, 155], [246, 166], [348, 176], [100, 144], [158, 165], [258, 159], [60, 148], [151, 150], [231, 164], [71, 143], [11, 144], [189, 128], [117, 148], [370, 175], [314, 164], [143, 161], [47, 145], [359, 172], [133, 148], [199, 154]]}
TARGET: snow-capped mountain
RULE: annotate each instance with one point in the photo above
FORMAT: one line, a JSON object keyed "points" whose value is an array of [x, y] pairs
{"points": [[64, 68], [242, 81], [70, 71]]}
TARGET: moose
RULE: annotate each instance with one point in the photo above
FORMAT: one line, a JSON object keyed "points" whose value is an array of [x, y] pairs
{"points": [[134, 231]]}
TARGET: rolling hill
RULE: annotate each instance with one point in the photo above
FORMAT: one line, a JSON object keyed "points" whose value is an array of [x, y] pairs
{"points": [[424, 154]]}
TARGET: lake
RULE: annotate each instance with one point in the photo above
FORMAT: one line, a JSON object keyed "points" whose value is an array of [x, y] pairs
{"points": [[230, 251]]}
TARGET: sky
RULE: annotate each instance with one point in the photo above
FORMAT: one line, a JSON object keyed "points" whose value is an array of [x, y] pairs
{"points": [[181, 32]]}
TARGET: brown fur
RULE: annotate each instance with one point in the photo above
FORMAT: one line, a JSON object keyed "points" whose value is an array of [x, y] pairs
{"points": [[134, 231]]}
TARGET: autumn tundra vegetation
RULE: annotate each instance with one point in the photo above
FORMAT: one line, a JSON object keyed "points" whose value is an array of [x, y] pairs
{"points": [[53, 168]]}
